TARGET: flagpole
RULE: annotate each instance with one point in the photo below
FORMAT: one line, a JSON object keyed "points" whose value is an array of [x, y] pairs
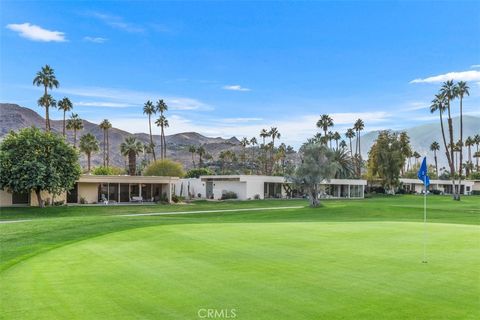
{"points": [[425, 220]]}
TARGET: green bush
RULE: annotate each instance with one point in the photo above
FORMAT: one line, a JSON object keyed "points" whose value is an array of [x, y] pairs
{"points": [[197, 172], [229, 195], [474, 176], [108, 171], [164, 168]]}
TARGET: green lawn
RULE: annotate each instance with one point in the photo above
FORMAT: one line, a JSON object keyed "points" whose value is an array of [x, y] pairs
{"points": [[346, 260]]}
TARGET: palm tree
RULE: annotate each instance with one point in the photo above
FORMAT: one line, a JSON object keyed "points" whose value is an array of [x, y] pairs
{"points": [[88, 145], [47, 101], [358, 126], [406, 150], [435, 147], [343, 144], [417, 156], [346, 167], [350, 134], [324, 123], [149, 109], [253, 142], [460, 90], [469, 142], [244, 143], [105, 125], [330, 138], [201, 152], [46, 78], [336, 137], [275, 134], [130, 148], [75, 124], [263, 134], [162, 122], [438, 104], [192, 149], [477, 143], [65, 105], [449, 93]]}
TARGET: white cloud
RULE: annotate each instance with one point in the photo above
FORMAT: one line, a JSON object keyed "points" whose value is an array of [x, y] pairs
{"points": [[117, 22], [240, 120], [475, 66], [471, 75], [235, 87], [95, 39], [36, 33], [103, 104], [136, 98]]}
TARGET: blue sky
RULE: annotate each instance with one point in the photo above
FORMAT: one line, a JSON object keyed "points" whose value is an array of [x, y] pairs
{"points": [[232, 68]]}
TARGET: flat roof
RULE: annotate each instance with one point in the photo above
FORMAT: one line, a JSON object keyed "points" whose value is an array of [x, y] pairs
{"points": [[436, 181], [276, 179], [125, 179]]}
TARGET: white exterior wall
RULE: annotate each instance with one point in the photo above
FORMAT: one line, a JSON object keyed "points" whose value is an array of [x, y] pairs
{"points": [[219, 187], [196, 186]]}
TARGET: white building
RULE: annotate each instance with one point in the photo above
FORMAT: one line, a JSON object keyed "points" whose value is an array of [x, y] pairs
{"points": [[261, 187], [444, 186]]}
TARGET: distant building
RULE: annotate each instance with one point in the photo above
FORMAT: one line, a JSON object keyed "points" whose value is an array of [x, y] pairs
{"points": [[261, 187], [102, 189], [444, 186]]}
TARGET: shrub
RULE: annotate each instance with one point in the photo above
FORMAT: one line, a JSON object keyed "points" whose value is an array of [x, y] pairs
{"points": [[474, 176], [108, 171], [83, 200], [256, 197], [177, 199], [197, 172], [229, 195], [435, 191], [165, 168]]}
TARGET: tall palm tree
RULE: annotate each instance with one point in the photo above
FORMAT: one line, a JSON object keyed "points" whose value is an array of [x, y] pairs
{"points": [[47, 102], [149, 109], [274, 134], [350, 134], [449, 93], [263, 134], [343, 144], [201, 152], [65, 105], [253, 142], [75, 124], [359, 126], [131, 148], [162, 122], [469, 142], [336, 137], [417, 156], [438, 104], [46, 78], [244, 143], [192, 149], [105, 125], [88, 145], [477, 143], [461, 89], [406, 150], [324, 123], [435, 146]]}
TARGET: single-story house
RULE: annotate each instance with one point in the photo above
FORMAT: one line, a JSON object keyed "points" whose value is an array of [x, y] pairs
{"points": [[445, 186], [261, 187], [102, 189]]}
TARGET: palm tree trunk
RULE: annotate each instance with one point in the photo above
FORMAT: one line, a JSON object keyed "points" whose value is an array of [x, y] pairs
{"points": [[131, 163], [47, 119], [461, 150], [161, 143], [452, 163], [104, 147], [436, 164], [64, 123], [108, 150], [351, 151], [75, 138], [151, 138], [88, 161]]}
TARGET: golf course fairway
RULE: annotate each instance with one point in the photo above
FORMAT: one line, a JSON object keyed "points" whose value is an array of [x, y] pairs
{"points": [[278, 270]]}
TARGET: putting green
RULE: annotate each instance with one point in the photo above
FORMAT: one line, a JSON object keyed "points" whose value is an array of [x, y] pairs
{"points": [[317, 270]]}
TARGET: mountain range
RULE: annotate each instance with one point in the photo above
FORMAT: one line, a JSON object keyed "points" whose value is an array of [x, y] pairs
{"points": [[15, 117]]}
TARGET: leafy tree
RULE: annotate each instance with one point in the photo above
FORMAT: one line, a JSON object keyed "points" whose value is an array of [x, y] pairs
{"points": [[318, 164], [130, 148], [386, 159], [105, 125], [108, 171], [150, 109], [65, 105], [32, 160], [88, 145], [75, 124], [164, 168], [46, 78], [195, 173]]}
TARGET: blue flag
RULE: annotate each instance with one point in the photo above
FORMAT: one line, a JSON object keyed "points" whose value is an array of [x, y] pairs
{"points": [[423, 173]]}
